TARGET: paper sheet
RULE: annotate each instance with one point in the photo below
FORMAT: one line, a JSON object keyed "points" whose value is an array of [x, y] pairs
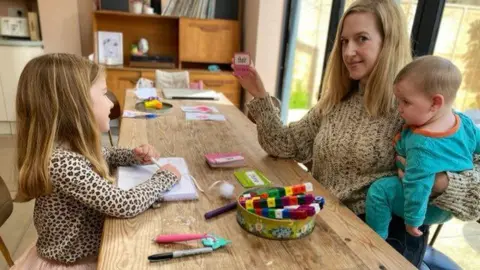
{"points": [[132, 176], [200, 109], [204, 116]]}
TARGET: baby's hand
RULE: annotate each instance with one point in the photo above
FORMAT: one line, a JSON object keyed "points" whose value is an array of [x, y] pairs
{"points": [[414, 231], [401, 163], [145, 153]]}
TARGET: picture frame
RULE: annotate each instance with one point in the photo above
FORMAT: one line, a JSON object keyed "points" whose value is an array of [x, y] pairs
{"points": [[110, 48]]}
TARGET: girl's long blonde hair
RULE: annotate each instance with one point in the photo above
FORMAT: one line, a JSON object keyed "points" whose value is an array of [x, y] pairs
{"points": [[395, 53], [53, 107]]}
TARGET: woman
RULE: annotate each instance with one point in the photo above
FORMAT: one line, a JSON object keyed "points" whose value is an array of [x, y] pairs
{"points": [[348, 134]]}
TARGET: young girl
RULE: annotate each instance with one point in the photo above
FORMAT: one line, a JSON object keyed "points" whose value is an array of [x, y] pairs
{"points": [[62, 110], [435, 139]]}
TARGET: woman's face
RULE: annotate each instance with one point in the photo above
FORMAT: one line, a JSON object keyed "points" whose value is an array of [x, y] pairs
{"points": [[361, 44]]}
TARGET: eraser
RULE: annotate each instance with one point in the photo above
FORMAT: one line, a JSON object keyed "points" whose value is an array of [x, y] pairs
{"points": [[308, 187]]}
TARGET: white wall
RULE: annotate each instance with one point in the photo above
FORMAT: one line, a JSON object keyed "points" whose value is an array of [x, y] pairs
{"points": [[59, 22], [262, 32]]}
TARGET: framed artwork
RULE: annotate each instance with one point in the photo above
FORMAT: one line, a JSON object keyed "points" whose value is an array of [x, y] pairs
{"points": [[110, 48]]}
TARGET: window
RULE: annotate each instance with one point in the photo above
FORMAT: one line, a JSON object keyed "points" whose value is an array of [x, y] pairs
{"points": [[459, 40], [314, 17]]}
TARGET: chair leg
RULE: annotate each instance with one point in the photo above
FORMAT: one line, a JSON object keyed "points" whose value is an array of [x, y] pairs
{"points": [[435, 234], [110, 137], [5, 253]]}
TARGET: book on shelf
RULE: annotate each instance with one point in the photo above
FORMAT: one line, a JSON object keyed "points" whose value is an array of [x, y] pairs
{"points": [[203, 9]]}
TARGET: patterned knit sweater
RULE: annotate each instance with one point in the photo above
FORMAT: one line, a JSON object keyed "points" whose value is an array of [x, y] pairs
{"points": [[69, 221], [349, 150]]}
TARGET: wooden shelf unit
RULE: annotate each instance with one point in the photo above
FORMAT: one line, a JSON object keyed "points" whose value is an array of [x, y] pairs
{"points": [[193, 43]]}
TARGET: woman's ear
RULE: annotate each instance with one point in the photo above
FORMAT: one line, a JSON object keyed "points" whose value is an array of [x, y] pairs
{"points": [[437, 102]]}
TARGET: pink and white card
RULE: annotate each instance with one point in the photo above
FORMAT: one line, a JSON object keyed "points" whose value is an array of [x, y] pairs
{"points": [[225, 160], [204, 116], [241, 62], [200, 109]]}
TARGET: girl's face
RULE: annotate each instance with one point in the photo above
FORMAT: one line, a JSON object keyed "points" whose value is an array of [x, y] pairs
{"points": [[101, 104], [361, 44]]}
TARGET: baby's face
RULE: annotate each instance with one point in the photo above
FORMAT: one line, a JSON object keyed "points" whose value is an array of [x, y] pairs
{"points": [[413, 104]]}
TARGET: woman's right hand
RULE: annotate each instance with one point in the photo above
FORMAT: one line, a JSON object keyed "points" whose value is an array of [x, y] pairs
{"points": [[252, 83], [172, 169]]}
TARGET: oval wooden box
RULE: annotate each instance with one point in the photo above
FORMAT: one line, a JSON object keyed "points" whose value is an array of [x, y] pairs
{"points": [[277, 229]]}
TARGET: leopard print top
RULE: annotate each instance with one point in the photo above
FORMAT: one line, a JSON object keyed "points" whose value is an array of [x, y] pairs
{"points": [[69, 221]]}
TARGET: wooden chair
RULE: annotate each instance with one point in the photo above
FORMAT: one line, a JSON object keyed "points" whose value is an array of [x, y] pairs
{"points": [[115, 112], [278, 104], [6, 208]]}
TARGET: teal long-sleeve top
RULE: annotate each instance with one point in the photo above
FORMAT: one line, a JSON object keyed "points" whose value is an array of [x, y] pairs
{"points": [[428, 153]]}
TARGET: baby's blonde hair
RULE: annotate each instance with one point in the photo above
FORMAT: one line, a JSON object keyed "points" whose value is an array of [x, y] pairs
{"points": [[395, 53], [54, 106], [433, 75]]}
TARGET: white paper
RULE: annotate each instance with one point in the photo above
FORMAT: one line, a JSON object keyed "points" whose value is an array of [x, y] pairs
{"points": [[204, 116], [132, 176], [199, 109], [145, 93], [130, 114], [137, 114]]}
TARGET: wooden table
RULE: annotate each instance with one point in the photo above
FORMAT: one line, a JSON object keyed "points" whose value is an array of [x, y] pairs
{"points": [[339, 241]]}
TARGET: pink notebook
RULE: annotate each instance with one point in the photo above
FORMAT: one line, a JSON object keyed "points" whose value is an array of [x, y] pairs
{"points": [[225, 160]]}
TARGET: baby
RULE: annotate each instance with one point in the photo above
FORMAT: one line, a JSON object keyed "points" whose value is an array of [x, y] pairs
{"points": [[435, 139]]}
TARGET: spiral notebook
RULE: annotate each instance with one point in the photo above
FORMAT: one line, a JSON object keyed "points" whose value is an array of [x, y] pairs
{"points": [[132, 176]]}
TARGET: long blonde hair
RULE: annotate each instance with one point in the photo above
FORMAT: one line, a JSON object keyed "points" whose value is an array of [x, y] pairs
{"points": [[53, 107], [395, 53]]}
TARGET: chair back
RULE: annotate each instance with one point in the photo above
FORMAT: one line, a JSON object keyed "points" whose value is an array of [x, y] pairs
{"points": [[115, 112], [6, 202]]}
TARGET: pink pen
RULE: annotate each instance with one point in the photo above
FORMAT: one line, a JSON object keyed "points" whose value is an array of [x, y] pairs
{"points": [[170, 238]]}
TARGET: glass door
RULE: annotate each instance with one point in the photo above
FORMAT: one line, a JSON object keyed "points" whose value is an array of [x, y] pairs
{"points": [[313, 21], [459, 40]]}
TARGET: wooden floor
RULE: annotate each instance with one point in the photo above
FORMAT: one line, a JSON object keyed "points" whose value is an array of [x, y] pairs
{"points": [[459, 240]]}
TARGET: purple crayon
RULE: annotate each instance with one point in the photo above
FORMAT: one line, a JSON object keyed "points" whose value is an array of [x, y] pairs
{"points": [[220, 210]]}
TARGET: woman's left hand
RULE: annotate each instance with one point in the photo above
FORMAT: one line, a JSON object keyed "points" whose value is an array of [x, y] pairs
{"points": [[441, 179], [145, 153]]}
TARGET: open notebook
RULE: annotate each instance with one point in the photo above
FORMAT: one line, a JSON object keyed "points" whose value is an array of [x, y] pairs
{"points": [[129, 177]]}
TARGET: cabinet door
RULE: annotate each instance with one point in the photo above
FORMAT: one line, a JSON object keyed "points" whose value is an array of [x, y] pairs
{"points": [[208, 41], [223, 82], [150, 74], [14, 60], [119, 81]]}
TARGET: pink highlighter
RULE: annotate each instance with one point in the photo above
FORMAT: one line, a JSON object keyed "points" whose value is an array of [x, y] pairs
{"points": [[171, 238], [241, 62]]}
